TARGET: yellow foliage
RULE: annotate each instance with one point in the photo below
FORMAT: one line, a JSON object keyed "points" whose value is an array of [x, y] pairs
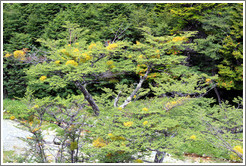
{"points": [[120, 108], [112, 137], [64, 51], [128, 124], [34, 130], [109, 62], [238, 149], [112, 46], [145, 109], [193, 137], [145, 122], [140, 56], [57, 62], [173, 102], [234, 156], [121, 138], [157, 51], [92, 45], [88, 57], [138, 161], [134, 96], [76, 50], [12, 117], [84, 54], [77, 44], [140, 69], [69, 45], [98, 143], [19, 54], [35, 106], [71, 62], [8, 55], [168, 105], [208, 80], [42, 78], [178, 38], [137, 43]]}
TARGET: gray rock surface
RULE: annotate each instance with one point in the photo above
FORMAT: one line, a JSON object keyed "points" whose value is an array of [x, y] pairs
{"points": [[10, 134]]}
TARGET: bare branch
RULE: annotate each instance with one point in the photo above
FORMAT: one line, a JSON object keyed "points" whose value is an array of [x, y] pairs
{"points": [[116, 100], [139, 85]]}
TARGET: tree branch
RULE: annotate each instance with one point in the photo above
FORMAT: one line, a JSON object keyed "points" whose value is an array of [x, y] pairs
{"points": [[100, 57], [88, 97], [116, 100], [142, 79]]}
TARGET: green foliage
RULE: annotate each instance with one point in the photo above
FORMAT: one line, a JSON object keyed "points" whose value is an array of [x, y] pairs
{"points": [[203, 148], [224, 44], [18, 41], [15, 108], [227, 125], [14, 78]]}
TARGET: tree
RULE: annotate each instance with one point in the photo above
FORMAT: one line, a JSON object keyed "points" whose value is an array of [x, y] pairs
{"points": [[159, 63]]}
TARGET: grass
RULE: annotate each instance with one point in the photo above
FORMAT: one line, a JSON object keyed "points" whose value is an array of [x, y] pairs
{"points": [[14, 108]]}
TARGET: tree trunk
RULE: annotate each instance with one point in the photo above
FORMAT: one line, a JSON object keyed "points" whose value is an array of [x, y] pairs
{"points": [[218, 95], [159, 157], [88, 97]]}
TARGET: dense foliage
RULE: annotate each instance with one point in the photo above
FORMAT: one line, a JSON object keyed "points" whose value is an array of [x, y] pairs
{"points": [[123, 80], [219, 29]]}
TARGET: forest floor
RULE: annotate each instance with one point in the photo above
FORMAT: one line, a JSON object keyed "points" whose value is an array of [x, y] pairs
{"points": [[11, 143]]}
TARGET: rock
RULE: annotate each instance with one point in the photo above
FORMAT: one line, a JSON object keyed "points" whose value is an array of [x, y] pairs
{"points": [[10, 134]]}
